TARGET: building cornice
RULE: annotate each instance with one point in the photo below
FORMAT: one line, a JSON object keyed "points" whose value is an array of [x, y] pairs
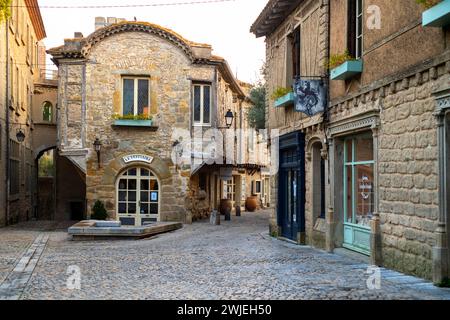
{"points": [[272, 16], [36, 18]]}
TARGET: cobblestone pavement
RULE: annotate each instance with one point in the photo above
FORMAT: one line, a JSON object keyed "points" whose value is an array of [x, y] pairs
{"points": [[236, 260]]}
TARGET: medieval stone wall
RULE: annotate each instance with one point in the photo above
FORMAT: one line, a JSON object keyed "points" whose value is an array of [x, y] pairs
{"points": [[407, 163]]}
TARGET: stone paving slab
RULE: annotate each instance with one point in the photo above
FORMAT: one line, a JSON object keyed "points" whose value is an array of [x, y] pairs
{"points": [[12, 245], [236, 260], [13, 285]]}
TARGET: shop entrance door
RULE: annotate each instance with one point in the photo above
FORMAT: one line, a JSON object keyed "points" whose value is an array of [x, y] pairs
{"points": [[291, 187], [138, 197], [358, 192]]}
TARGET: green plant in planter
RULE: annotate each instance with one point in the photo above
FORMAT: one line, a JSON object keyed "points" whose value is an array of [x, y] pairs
{"points": [[337, 59], [280, 92], [427, 4], [99, 211], [132, 117]]}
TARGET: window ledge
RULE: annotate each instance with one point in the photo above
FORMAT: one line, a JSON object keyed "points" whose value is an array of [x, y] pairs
{"points": [[437, 16], [44, 123], [285, 101], [135, 123], [347, 70]]}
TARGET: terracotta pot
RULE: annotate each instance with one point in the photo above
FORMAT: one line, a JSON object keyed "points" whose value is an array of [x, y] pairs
{"points": [[225, 205], [251, 204]]}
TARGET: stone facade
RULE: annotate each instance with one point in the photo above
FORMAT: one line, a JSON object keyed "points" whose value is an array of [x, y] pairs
{"points": [[90, 90], [399, 101], [19, 46]]}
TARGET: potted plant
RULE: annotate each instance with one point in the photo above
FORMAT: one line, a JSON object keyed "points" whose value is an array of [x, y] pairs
{"points": [[427, 4], [283, 96], [343, 66], [99, 211], [437, 13]]}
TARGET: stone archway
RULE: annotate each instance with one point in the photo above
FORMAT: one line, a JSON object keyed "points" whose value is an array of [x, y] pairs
{"points": [[316, 187]]}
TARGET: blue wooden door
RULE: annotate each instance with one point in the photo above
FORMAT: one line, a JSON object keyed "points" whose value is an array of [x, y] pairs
{"points": [[291, 188]]}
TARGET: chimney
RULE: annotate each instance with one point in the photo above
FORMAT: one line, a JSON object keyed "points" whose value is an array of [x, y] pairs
{"points": [[111, 20], [100, 22], [78, 35]]}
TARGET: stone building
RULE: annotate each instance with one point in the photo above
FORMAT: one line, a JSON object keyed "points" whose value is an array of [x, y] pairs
{"points": [[392, 113], [136, 102], [386, 126], [296, 46], [20, 35]]}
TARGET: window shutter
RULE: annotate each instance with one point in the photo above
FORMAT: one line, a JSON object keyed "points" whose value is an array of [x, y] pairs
{"points": [[351, 27]]}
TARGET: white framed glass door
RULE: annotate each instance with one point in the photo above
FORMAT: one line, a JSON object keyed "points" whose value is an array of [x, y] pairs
{"points": [[138, 197], [358, 192]]}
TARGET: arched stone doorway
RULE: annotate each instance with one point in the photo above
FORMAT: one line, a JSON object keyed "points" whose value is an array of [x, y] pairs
{"points": [[138, 196], [46, 184], [60, 187]]}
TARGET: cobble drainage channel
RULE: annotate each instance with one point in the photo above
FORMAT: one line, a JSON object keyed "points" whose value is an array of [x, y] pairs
{"points": [[16, 281]]}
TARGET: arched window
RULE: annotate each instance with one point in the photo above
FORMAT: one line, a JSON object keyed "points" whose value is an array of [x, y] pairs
{"points": [[47, 112]]}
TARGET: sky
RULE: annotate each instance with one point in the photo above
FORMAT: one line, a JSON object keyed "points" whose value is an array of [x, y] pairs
{"points": [[224, 25]]}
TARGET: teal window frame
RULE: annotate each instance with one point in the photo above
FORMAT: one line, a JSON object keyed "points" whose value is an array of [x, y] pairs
{"points": [[352, 164]]}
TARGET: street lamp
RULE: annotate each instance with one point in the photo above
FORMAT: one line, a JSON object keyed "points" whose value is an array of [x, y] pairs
{"points": [[98, 148], [229, 117]]}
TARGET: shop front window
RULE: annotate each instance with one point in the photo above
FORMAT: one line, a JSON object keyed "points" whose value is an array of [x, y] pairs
{"points": [[359, 180]]}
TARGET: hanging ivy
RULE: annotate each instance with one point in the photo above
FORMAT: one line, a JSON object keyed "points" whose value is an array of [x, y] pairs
{"points": [[5, 12]]}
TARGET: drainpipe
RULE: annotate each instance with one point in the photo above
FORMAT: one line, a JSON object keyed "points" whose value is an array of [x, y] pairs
{"points": [[8, 93], [330, 216]]}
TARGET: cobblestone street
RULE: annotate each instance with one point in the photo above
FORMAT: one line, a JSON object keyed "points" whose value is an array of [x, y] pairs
{"points": [[236, 260]]}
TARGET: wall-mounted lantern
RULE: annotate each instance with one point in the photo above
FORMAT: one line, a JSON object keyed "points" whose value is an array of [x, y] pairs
{"points": [[98, 149], [229, 117], [20, 136]]}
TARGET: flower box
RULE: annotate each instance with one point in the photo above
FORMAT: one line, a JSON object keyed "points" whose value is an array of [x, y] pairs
{"points": [[437, 16], [133, 123], [284, 101], [347, 70]]}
